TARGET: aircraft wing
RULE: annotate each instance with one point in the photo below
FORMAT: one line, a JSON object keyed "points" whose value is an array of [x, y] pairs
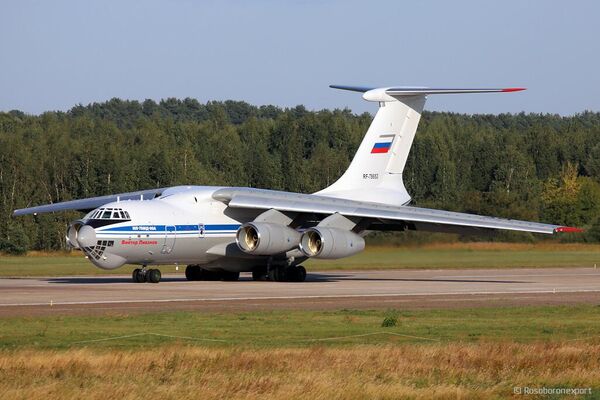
{"points": [[89, 203], [387, 217]]}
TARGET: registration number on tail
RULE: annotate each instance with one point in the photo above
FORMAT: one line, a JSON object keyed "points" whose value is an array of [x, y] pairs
{"points": [[370, 176]]}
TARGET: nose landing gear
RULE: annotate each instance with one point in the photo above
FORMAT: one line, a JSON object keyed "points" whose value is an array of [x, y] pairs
{"points": [[141, 275]]}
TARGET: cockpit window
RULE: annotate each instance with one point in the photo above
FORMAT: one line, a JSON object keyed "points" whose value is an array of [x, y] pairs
{"points": [[110, 214]]}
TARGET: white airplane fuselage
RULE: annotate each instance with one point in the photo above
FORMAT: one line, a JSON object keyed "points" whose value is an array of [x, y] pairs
{"points": [[227, 230], [177, 228]]}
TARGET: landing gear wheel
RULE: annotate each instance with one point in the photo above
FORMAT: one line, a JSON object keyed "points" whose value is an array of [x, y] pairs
{"points": [[278, 274], [193, 272], [298, 274], [139, 275], [153, 275], [208, 275], [289, 274], [230, 276], [259, 274]]}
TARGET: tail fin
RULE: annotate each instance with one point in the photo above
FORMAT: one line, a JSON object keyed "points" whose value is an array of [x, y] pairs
{"points": [[375, 173]]}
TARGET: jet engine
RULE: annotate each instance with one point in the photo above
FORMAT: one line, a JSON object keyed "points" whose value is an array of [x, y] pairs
{"points": [[330, 243], [72, 233], [265, 238], [80, 235]]}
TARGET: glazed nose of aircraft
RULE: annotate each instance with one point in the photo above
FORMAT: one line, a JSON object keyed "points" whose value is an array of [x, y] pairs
{"points": [[86, 236]]}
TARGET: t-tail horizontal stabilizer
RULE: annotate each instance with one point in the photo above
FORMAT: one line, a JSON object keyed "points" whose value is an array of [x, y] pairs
{"points": [[375, 174], [379, 94]]}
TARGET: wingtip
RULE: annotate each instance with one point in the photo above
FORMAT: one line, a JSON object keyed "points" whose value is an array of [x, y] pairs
{"points": [[568, 229], [513, 89]]}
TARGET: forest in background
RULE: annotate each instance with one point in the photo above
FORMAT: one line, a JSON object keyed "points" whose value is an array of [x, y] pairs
{"points": [[537, 167]]}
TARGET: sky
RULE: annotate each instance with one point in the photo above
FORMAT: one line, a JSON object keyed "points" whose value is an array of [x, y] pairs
{"points": [[56, 54]]}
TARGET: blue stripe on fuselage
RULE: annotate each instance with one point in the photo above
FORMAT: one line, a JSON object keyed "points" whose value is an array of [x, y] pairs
{"points": [[163, 228]]}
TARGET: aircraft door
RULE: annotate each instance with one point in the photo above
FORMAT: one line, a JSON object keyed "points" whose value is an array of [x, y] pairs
{"points": [[170, 236]]}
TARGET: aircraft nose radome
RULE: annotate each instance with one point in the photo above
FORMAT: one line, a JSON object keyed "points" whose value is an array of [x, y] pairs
{"points": [[86, 237]]}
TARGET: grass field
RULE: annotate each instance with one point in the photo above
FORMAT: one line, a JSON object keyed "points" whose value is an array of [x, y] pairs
{"points": [[304, 328], [471, 353], [347, 354], [455, 255]]}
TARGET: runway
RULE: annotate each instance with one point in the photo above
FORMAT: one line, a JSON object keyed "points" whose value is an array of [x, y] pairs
{"points": [[403, 289]]}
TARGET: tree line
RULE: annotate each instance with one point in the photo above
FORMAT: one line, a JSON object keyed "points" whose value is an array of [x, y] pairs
{"points": [[538, 167]]}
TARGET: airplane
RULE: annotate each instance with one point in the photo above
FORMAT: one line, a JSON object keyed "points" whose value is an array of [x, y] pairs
{"points": [[219, 232]]}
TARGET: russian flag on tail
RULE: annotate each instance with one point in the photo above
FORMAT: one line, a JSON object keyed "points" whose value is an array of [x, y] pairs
{"points": [[383, 145]]}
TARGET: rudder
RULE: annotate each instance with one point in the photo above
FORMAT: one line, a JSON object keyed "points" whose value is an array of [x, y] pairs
{"points": [[375, 173]]}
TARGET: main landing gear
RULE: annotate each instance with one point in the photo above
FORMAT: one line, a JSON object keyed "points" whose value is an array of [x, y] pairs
{"points": [[141, 275], [195, 273], [280, 274], [274, 273]]}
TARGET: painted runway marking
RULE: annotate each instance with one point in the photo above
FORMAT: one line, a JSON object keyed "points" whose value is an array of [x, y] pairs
{"points": [[341, 296], [513, 276]]}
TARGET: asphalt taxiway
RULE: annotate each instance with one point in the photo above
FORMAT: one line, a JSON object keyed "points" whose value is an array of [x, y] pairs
{"points": [[404, 289]]}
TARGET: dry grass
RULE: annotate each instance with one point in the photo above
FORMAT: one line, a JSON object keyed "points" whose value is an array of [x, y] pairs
{"points": [[482, 370]]}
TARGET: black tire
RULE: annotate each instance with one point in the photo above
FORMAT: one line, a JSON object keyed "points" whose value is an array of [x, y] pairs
{"points": [[291, 274], [153, 275], [296, 274], [259, 274], [141, 276], [229, 276], [300, 273], [208, 275], [192, 273], [279, 274], [134, 275]]}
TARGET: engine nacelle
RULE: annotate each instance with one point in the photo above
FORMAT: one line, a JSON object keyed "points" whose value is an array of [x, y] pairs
{"points": [[330, 243], [265, 238], [72, 233]]}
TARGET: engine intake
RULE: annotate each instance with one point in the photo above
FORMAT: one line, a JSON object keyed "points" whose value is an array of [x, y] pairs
{"points": [[72, 233], [330, 243], [265, 238]]}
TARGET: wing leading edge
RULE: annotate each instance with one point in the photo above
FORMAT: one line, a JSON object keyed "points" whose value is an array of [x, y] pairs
{"points": [[429, 219], [90, 203]]}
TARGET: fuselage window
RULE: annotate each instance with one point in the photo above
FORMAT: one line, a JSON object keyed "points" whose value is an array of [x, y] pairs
{"points": [[106, 215]]}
